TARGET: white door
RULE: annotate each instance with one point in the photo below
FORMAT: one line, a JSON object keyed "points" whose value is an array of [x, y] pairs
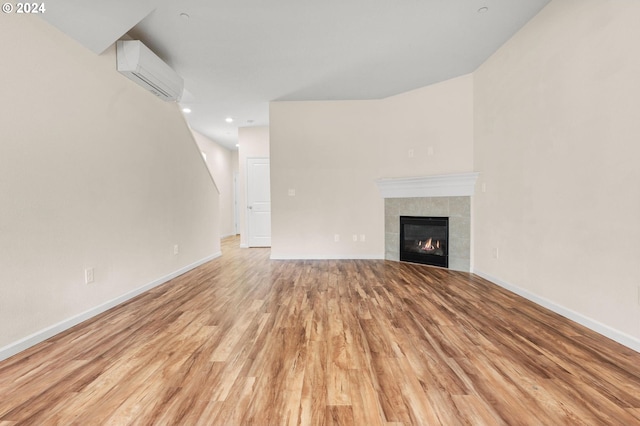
{"points": [[259, 202]]}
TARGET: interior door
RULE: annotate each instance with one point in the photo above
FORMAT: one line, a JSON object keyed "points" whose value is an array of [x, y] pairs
{"points": [[259, 202]]}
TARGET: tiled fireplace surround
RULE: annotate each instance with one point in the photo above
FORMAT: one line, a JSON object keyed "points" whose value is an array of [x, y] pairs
{"points": [[442, 195]]}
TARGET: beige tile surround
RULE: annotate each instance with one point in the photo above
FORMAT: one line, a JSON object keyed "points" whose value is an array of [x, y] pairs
{"points": [[458, 209]]}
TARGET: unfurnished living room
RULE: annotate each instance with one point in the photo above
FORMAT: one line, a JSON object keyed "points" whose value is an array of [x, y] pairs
{"points": [[355, 213]]}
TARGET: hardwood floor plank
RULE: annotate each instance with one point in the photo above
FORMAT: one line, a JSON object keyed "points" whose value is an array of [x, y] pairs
{"points": [[364, 400], [474, 411], [339, 415], [389, 393], [244, 340], [313, 398]]}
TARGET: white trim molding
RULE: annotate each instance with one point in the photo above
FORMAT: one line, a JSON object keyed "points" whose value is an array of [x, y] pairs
{"points": [[451, 185], [613, 334], [42, 335]]}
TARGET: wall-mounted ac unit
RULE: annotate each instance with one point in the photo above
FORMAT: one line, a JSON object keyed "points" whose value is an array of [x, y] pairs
{"points": [[138, 63]]}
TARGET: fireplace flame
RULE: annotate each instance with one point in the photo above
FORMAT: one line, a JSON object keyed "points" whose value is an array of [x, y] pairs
{"points": [[429, 244]]}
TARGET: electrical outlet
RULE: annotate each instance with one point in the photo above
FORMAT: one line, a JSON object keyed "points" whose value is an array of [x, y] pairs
{"points": [[88, 275], [484, 187], [336, 238], [176, 249], [292, 192], [430, 151], [362, 238]]}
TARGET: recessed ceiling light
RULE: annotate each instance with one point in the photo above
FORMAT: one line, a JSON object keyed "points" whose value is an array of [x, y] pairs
{"points": [[185, 16], [237, 145], [483, 9], [186, 110], [229, 120]]}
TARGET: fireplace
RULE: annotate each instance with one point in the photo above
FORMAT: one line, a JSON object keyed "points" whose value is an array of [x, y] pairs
{"points": [[436, 195], [424, 240]]}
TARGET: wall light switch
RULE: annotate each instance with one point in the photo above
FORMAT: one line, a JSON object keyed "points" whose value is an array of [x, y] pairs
{"points": [[336, 238], [410, 153], [354, 237], [430, 151], [362, 238], [176, 249], [292, 192], [484, 187], [88, 275]]}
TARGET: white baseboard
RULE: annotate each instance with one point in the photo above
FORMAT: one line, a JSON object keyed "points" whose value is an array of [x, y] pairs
{"points": [[42, 335], [244, 245], [327, 257], [613, 334]]}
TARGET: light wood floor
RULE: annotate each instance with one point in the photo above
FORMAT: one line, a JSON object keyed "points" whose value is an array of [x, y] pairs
{"points": [[245, 340]]}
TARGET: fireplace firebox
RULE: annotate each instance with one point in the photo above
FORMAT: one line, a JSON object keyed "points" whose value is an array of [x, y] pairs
{"points": [[424, 240]]}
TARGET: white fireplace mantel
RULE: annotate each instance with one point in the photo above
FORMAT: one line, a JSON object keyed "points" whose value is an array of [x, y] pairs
{"points": [[452, 185]]}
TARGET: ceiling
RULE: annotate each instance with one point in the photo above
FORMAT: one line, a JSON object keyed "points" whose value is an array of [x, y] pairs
{"points": [[237, 56]]}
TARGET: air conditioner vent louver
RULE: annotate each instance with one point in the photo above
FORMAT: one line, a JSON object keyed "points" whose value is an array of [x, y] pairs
{"points": [[139, 64], [157, 90]]}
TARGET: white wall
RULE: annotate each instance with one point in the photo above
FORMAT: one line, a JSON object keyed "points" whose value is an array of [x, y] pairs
{"points": [[328, 153], [94, 172], [332, 152], [254, 143], [435, 123], [556, 143], [222, 164], [235, 171]]}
